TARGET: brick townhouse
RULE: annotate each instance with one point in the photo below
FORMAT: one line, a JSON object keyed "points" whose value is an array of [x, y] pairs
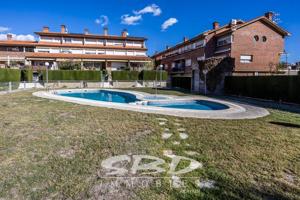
{"points": [[255, 46], [92, 51]]}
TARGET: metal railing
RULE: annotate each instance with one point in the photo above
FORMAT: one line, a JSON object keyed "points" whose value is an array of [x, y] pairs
{"points": [[7, 87]]}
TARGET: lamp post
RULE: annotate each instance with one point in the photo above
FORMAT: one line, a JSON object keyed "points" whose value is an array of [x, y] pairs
{"points": [[47, 78], [160, 67], [205, 71]]}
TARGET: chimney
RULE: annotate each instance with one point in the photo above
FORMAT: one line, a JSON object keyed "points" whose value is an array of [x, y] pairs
{"points": [[233, 22], [269, 15], [86, 31], [45, 29], [216, 25], [9, 36], [105, 31], [185, 39], [124, 33], [63, 29]]}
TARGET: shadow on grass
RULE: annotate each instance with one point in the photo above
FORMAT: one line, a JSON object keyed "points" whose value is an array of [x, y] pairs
{"points": [[285, 124], [293, 108]]}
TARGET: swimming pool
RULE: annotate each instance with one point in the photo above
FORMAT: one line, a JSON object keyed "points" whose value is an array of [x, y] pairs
{"points": [[181, 106], [156, 101]]}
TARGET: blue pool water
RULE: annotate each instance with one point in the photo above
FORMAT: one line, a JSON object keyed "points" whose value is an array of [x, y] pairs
{"points": [[103, 95], [123, 97], [191, 105]]}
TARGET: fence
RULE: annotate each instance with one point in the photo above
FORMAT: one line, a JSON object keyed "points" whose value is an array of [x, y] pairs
{"points": [[15, 86], [278, 88]]}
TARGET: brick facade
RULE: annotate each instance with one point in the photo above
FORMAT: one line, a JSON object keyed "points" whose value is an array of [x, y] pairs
{"points": [[264, 53], [237, 40]]}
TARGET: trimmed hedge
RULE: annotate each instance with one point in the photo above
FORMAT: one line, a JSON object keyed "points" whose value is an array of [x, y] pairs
{"points": [[151, 75], [135, 75], [71, 75], [125, 75], [10, 75], [278, 88]]}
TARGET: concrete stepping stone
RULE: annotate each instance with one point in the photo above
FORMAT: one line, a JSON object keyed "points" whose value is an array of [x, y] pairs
{"points": [[207, 184], [181, 129], [176, 182], [191, 153], [177, 124], [162, 123], [183, 136], [168, 153], [162, 119], [176, 143], [166, 136]]}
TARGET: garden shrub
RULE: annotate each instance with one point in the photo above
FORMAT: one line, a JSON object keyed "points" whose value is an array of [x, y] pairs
{"points": [[72, 75], [125, 75], [151, 75], [10, 75]]}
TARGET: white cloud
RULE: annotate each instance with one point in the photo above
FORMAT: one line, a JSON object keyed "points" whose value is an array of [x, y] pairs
{"points": [[103, 20], [168, 23], [18, 37], [4, 29], [130, 20], [154, 9]]}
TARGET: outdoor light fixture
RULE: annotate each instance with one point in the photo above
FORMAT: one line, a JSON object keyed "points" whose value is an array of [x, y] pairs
{"points": [[47, 78], [205, 71]]}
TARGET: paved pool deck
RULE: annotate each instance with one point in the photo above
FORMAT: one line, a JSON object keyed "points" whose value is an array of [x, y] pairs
{"points": [[236, 110]]}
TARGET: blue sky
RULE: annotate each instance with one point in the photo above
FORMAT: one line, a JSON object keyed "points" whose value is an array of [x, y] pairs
{"points": [[189, 17]]}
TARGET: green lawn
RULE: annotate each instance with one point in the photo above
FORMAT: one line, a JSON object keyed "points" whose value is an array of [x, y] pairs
{"points": [[53, 150]]}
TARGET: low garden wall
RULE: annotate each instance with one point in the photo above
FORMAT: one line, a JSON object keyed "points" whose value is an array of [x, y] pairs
{"points": [[278, 88]]}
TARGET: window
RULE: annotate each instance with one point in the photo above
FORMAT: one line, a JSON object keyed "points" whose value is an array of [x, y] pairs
{"points": [[246, 58], [68, 40], [43, 50], [264, 39], [199, 43], [66, 51], [224, 40], [256, 38], [188, 62], [90, 52]]}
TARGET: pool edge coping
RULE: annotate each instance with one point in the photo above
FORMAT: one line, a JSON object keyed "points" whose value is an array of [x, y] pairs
{"points": [[235, 111]]}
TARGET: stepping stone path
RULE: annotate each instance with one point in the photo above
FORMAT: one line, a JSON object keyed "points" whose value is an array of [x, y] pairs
{"points": [[183, 135], [162, 119], [162, 123], [191, 153], [166, 136]]}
